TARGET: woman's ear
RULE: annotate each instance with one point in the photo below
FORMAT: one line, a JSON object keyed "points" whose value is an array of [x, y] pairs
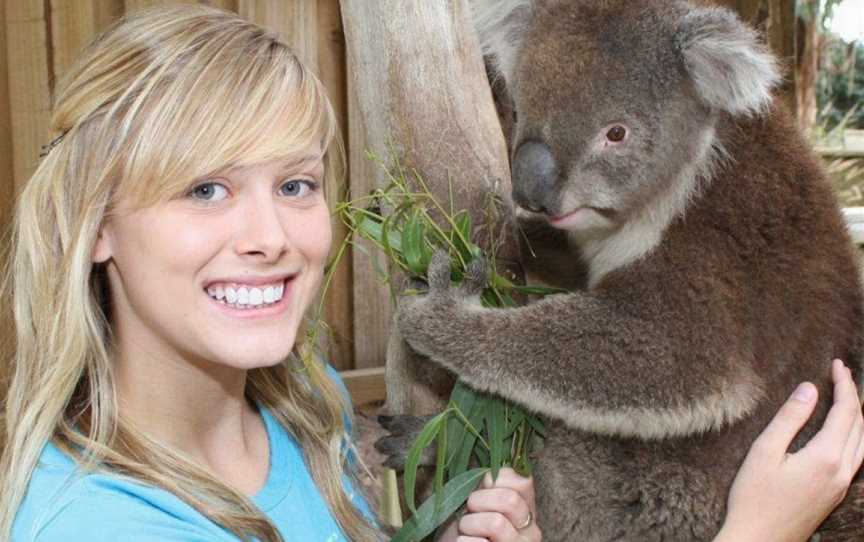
{"points": [[103, 249]]}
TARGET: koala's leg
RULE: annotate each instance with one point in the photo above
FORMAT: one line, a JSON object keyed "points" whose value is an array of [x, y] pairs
{"points": [[402, 431], [598, 361]]}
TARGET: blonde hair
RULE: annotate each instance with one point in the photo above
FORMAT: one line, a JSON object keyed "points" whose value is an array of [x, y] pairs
{"points": [[160, 99]]}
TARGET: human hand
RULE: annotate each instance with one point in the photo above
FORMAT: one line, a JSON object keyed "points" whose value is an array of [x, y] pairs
{"points": [[502, 511], [784, 497]]}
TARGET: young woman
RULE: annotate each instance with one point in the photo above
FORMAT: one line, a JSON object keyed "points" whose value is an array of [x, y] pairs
{"points": [[165, 252]]}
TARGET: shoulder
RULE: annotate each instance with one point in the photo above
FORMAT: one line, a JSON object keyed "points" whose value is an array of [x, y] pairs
{"points": [[62, 504]]}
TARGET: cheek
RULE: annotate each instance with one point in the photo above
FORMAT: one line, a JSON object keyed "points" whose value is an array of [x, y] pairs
{"points": [[314, 236]]}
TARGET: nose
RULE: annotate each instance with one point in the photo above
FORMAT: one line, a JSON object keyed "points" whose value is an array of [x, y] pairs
{"points": [[262, 233], [534, 176]]}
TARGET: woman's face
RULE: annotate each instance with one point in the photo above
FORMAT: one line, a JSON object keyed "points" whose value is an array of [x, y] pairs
{"points": [[224, 273]]}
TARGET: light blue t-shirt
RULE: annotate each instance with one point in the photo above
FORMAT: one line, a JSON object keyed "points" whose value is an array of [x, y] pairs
{"points": [[61, 505]]}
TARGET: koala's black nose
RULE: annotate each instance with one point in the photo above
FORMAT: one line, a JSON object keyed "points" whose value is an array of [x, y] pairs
{"points": [[534, 176]]}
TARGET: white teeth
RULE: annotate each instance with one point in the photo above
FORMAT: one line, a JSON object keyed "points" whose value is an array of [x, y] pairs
{"points": [[256, 297], [230, 295], [269, 294], [247, 297]]}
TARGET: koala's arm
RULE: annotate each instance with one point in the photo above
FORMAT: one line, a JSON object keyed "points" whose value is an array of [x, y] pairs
{"points": [[596, 362]]}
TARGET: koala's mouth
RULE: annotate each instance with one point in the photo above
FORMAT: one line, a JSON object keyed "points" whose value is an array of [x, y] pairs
{"points": [[584, 216]]}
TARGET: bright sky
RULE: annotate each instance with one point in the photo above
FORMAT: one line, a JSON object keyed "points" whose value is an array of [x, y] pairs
{"points": [[848, 20]]}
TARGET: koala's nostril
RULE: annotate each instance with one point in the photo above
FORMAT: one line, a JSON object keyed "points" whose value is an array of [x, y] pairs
{"points": [[534, 175]]}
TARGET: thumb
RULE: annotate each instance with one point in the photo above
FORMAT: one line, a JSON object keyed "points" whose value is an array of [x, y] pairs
{"points": [[789, 419]]}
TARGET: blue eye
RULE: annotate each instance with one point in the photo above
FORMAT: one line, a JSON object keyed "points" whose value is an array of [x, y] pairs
{"points": [[209, 192], [296, 188]]}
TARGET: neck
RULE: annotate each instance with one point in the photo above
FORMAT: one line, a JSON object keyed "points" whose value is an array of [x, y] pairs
{"points": [[641, 234], [192, 406]]}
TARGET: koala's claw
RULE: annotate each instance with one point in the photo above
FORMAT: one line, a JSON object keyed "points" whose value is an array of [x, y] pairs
{"points": [[403, 431], [439, 271], [475, 277]]}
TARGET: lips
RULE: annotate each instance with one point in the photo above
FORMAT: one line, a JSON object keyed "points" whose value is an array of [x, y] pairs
{"points": [[251, 298]]}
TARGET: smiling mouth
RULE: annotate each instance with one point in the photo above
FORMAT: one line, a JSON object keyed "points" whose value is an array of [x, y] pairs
{"points": [[247, 297]]}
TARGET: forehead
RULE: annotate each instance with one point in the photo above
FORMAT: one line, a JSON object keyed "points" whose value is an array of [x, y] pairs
{"points": [[592, 66], [310, 159]]}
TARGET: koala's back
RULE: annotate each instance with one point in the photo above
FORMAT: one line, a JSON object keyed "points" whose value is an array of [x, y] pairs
{"points": [[764, 251]]}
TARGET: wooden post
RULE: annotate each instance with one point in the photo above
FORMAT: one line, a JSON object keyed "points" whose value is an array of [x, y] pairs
{"points": [[420, 85]]}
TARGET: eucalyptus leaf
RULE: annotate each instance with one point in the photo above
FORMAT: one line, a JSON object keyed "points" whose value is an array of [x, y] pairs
{"points": [[412, 460], [496, 425], [428, 517]]}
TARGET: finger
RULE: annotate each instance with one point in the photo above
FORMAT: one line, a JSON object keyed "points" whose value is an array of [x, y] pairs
{"points": [[850, 452], [859, 455], [502, 500], [511, 479], [439, 271], [492, 525], [791, 417], [835, 431]]}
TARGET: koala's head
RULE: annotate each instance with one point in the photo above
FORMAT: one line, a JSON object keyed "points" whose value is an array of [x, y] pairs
{"points": [[615, 100]]}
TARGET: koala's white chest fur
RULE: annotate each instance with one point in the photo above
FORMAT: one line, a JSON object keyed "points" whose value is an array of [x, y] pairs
{"points": [[640, 235]]}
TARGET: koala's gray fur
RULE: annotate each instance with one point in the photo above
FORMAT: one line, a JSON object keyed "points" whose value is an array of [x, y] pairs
{"points": [[716, 269]]}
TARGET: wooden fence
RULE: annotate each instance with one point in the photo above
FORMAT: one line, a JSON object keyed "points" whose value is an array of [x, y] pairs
{"points": [[39, 38]]}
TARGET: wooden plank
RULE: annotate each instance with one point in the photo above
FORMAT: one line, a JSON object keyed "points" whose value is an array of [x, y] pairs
{"points": [[331, 69], [74, 24], [7, 180], [30, 82], [365, 385], [131, 5], [295, 20]]}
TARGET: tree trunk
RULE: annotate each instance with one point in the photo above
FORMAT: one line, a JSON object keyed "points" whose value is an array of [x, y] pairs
{"points": [[421, 92], [808, 66]]}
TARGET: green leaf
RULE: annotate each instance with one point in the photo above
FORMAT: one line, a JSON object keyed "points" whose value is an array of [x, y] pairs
{"points": [[496, 425], [414, 245], [429, 516], [412, 461], [517, 416], [537, 425], [462, 400]]}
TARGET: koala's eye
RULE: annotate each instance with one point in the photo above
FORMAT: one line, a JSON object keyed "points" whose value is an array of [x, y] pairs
{"points": [[616, 134], [515, 116]]}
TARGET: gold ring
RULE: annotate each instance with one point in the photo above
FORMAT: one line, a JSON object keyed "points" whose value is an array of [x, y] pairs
{"points": [[527, 521]]}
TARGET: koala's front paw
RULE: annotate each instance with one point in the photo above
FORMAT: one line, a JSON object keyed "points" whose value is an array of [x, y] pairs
{"points": [[403, 431], [423, 319]]}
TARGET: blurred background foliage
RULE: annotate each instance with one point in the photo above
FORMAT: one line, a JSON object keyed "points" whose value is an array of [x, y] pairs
{"points": [[829, 85]]}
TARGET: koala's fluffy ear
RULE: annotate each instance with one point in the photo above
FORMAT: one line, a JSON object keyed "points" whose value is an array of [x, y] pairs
{"points": [[501, 26], [731, 69]]}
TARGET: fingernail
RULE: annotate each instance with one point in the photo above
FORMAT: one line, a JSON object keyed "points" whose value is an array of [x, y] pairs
{"points": [[805, 393]]}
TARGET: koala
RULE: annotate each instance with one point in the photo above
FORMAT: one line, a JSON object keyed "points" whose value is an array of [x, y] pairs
{"points": [[658, 178]]}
